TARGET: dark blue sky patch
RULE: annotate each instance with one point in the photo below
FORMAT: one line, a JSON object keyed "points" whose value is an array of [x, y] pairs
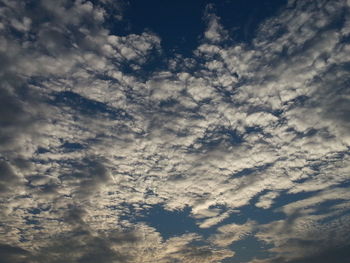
{"points": [[155, 62], [72, 146], [42, 150], [170, 223], [243, 17], [221, 135], [180, 24], [37, 210], [344, 184], [244, 172], [87, 106], [23, 239], [31, 220], [249, 171], [168, 103], [128, 211], [250, 212], [254, 129], [34, 211], [247, 249], [285, 198], [297, 101]]}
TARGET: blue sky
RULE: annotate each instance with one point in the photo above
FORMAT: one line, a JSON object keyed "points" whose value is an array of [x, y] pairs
{"points": [[174, 131]]}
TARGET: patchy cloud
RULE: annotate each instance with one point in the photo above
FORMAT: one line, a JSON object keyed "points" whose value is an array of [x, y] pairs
{"points": [[93, 134]]}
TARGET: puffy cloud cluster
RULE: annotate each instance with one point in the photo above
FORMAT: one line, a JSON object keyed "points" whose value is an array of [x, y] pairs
{"points": [[86, 133]]}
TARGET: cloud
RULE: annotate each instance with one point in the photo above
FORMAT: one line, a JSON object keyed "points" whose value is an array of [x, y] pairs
{"points": [[13, 254], [340, 253], [88, 176], [231, 233], [312, 228], [265, 201], [87, 136], [9, 180], [215, 32], [142, 244], [213, 220]]}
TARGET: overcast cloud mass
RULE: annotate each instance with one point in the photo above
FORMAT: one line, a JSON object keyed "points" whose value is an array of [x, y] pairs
{"points": [[116, 148]]}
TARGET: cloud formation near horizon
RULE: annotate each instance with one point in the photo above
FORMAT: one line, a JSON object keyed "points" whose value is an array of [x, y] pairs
{"points": [[92, 137]]}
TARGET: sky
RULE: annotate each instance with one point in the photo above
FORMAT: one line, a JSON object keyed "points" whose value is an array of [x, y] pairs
{"points": [[174, 131]]}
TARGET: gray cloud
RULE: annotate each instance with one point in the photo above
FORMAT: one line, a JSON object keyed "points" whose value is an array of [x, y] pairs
{"points": [[11, 254], [81, 137], [8, 178]]}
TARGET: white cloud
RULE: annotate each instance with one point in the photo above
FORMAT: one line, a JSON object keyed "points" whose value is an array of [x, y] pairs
{"points": [[231, 233], [215, 32], [266, 200], [271, 117]]}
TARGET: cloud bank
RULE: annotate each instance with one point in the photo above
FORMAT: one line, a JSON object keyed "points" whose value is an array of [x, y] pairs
{"points": [[91, 138]]}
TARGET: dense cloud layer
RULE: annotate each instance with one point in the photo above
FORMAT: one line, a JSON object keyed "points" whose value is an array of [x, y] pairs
{"points": [[91, 139]]}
